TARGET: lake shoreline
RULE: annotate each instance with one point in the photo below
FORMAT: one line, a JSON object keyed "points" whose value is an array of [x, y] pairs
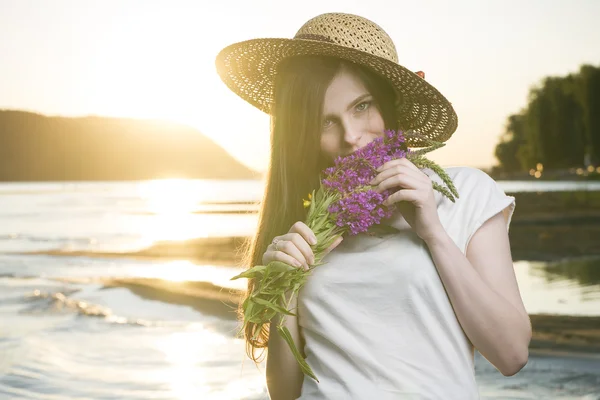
{"points": [[546, 226], [552, 334], [528, 243]]}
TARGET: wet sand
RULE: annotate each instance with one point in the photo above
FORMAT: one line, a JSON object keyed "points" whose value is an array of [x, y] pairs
{"points": [[531, 242], [552, 334], [213, 250], [545, 227], [565, 333], [201, 296]]}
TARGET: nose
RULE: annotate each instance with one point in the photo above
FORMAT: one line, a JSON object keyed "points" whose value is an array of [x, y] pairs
{"points": [[353, 133]]}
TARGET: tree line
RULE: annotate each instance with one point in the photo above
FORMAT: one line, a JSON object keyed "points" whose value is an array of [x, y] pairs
{"points": [[559, 128]]}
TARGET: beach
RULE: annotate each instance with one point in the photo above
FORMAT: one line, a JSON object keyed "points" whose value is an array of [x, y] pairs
{"points": [[103, 294], [545, 228], [552, 334]]}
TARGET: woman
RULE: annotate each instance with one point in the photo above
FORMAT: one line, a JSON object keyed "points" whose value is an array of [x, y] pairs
{"points": [[390, 316]]}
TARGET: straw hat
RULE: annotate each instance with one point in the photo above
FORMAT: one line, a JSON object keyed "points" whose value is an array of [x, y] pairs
{"points": [[248, 68]]}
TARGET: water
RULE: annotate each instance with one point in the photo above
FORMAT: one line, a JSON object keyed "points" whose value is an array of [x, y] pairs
{"points": [[548, 186], [64, 335]]}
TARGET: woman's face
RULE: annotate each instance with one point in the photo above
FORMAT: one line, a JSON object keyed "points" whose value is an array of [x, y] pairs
{"points": [[350, 117]]}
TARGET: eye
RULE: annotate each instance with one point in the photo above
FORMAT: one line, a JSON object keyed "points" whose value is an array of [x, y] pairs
{"points": [[327, 123], [363, 106]]}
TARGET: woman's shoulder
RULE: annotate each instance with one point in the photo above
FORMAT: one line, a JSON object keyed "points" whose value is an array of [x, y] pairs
{"points": [[466, 179], [474, 186], [480, 197]]}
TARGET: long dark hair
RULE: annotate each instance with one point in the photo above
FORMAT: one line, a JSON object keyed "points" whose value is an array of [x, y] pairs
{"points": [[296, 157]]}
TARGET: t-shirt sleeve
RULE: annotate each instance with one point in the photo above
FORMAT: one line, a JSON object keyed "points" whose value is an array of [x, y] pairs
{"points": [[485, 198]]}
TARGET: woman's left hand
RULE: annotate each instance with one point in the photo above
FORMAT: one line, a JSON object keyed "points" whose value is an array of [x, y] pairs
{"points": [[415, 199]]}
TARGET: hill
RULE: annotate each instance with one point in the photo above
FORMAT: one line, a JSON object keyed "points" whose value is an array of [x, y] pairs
{"points": [[34, 147]]}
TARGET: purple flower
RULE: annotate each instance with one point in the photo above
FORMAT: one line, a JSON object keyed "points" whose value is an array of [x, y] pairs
{"points": [[360, 210], [359, 207]]}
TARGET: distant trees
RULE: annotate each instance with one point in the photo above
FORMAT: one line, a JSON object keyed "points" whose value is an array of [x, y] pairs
{"points": [[559, 128]]}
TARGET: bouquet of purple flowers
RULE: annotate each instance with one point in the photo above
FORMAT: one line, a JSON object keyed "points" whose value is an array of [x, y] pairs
{"points": [[343, 204]]}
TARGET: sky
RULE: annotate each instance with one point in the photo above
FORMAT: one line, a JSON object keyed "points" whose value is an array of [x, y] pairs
{"points": [[154, 59]]}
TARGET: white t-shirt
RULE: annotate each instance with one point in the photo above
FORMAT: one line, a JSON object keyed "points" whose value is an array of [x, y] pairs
{"points": [[376, 319]]}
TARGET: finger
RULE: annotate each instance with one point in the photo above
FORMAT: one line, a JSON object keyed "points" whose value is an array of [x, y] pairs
{"points": [[401, 195], [304, 237], [288, 246], [409, 164], [387, 173], [303, 246], [276, 255], [399, 169], [303, 229], [335, 243], [398, 161], [388, 164], [404, 181]]}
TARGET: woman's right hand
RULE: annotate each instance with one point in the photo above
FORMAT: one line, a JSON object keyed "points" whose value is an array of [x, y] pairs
{"points": [[293, 248]]}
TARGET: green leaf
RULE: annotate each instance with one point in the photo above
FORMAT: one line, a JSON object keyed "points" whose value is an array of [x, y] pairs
{"points": [[256, 313], [272, 291], [285, 333], [250, 273], [273, 306], [259, 317], [248, 309], [278, 266], [257, 331]]}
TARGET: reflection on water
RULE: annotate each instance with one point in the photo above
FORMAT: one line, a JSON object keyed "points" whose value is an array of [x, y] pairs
{"points": [[548, 186], [182, 270], [184, 351], [181, 351], [586, 271], [568, 287], [172, 196], [123, 216]]}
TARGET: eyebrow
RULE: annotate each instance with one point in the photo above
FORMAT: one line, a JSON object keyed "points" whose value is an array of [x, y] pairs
{"points": [[352, 104]]}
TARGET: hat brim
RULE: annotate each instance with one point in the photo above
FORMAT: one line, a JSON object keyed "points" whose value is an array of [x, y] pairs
{"points": [[248, 68]]}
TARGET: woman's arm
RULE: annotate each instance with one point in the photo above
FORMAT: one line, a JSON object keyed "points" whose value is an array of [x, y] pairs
{"points": [[284, 376], [484, 293]]}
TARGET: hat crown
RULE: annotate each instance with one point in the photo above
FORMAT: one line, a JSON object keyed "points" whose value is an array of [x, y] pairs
{"points": [[351, 31]]}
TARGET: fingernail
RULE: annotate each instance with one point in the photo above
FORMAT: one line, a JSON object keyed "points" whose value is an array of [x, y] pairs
{"points": [[313, 240], [298, 264]]}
